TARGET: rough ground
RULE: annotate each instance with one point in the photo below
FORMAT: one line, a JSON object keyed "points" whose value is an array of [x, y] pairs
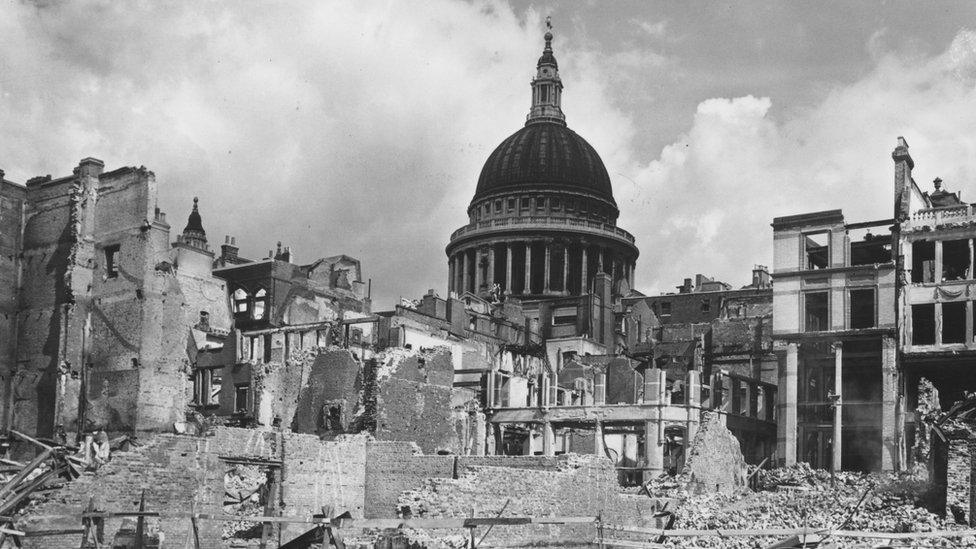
{"points": [[799, 496]]}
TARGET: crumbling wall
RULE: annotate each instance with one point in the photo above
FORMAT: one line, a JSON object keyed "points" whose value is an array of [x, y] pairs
{"points": [[927, 411], [184, 473], [714, 461], [11, 225], [960, 502], [413, 400], [335, 379], [395, 467], [578, 486]]}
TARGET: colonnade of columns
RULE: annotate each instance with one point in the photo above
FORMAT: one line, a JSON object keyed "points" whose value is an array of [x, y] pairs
{"points": [[535, 267]]}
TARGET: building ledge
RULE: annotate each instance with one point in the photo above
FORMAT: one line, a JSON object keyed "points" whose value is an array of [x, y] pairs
{"points": [[503, 225]]}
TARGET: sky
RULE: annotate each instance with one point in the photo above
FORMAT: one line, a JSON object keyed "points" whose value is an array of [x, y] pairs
{"points": [[361, 127]]}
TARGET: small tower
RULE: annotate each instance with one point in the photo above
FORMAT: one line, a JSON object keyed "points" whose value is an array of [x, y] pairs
{"points": [[193, 254], [547, 88], [193, 234]]}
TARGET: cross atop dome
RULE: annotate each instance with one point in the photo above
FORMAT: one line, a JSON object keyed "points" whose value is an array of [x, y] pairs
{"points": [[547, 88]]}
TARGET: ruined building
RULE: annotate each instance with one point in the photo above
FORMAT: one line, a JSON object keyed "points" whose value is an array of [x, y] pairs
{"points": [[99, 299], [863, 312]]}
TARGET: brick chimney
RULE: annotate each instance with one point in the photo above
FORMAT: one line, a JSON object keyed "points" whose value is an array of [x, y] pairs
{"points": [[760, 276], [229, 249], [903, 180]]}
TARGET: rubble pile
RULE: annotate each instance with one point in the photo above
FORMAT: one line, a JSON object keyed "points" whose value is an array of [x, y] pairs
{"points": [[798, 497]]}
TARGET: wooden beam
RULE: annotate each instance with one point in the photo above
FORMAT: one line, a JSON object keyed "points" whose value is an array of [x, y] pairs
{"points": [[32, 440]]}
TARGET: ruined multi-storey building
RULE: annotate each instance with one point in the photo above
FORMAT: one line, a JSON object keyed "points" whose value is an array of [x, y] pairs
{"points": [[98, 301], [834, 322], [862, 312]]}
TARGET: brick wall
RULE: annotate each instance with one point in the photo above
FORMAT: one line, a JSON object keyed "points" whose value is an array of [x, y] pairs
{"points": [[580, 486], [180, 473], [959, 480]]}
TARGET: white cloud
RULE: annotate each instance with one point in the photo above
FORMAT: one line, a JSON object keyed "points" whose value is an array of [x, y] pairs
{"points": [[339, 127], [361, 128], [706, 203]]}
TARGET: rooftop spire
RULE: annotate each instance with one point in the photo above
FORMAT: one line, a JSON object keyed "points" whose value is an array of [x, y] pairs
{"points": [[193, 233], [547, 88]]}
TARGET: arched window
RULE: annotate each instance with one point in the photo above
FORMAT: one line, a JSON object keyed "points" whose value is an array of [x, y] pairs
{"points": [[241, 301], [260, 304]]}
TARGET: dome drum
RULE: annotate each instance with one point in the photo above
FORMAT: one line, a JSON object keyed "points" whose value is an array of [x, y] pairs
{"points": [[538, 266]]}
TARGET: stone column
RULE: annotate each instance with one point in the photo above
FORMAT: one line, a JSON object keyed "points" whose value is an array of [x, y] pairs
{"points": [[693, 400], [584, 287], [509, 287], [565, 269], [786, 425], [465, 272], [491, 266], [548, 267], [451, 273], [528, 268], [889, 406], [598, 438], [478, 272], [653, 450], [599, 259], [836, 446], [548, 439]]}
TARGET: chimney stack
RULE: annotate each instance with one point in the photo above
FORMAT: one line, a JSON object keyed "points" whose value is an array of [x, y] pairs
{"points": [[903, 179], [228, 250]]}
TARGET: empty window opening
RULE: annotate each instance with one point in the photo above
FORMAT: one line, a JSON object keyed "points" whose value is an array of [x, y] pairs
{"points": [[564, 316], [923, 261], [241, 393], [206, 386], [862, 309], [267, 347], [923, 324], [815, 311], [241, 301], [674, 449], [540, 204], [954, 322], [498, 206], [955, 260], [525, 203], [111, 261], [817, 248], [666, 308], [511, 204], [868, 248], [706, 305], [260, 304]]}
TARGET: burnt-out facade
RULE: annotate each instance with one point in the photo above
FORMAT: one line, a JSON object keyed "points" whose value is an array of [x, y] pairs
{"points": [[934, 233], [99, 299], [834, 326]]}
